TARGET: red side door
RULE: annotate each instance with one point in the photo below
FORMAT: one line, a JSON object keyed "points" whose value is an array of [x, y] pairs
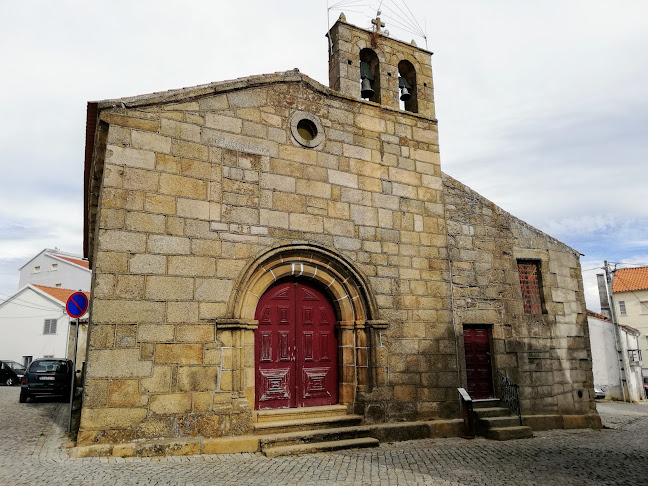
{"points": [[295, 348], [478, 364]]}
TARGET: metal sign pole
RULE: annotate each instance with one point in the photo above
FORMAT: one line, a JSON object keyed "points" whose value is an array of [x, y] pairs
{"points": [[76, 346]]}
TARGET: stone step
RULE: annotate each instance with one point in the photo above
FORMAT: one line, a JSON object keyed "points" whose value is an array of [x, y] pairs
{"points": [[321, 447], [493, 422], [492, 412], [509, 433], [310, 436], [300, 413], [486, 403], [281, 426]]}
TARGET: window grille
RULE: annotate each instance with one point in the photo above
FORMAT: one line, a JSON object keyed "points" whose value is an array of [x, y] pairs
{"points": [[530, 284], [634, 355], [50, 326]]}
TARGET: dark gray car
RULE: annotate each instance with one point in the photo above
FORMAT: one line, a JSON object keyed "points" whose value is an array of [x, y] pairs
{"points": [[11, 373], [47, 377]]}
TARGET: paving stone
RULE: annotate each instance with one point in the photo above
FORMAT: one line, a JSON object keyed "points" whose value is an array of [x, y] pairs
{"points": [[33, 436]]}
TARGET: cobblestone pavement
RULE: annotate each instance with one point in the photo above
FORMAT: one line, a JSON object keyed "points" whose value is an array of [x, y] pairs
{"points": [[32, 437]]}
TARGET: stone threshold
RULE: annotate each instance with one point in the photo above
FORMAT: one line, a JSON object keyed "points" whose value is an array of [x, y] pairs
{"points": [[389, 432]]}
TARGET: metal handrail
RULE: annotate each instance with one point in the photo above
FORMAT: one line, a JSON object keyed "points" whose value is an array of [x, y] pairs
{"points": [[510, 395], [466, 404]]}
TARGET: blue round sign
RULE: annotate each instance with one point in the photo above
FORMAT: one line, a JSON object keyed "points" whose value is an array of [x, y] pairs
{"points": [[77, 304]]}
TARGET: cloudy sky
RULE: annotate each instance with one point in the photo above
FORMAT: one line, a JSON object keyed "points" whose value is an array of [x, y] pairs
{"points": [[542, 105]]}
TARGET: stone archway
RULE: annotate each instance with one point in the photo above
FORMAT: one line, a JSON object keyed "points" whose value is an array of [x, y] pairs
{"points": [[349, 293]]}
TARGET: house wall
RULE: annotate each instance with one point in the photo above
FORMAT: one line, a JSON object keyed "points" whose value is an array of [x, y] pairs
{"points": [[21, 326], [636, 316], [69, 276], [605, 358], [547, 354]]}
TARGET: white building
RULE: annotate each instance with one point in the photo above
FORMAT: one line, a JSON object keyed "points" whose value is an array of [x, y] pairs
{"points": [[615, 363], [58, 269], [630, 295], [34, 324]]}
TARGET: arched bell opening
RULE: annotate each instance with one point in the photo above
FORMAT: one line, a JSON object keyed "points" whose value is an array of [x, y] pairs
{"points": [[369, 75], [407, 88]]}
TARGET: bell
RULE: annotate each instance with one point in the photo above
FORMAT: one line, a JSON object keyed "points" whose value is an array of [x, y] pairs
{"points": [[405, 94], [366, 89]]}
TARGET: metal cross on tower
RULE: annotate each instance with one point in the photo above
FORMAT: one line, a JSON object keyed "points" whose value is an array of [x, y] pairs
{"points": [[377, 24]]}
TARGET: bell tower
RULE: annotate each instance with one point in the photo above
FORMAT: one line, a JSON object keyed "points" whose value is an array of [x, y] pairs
{"points": [[367, 64]]}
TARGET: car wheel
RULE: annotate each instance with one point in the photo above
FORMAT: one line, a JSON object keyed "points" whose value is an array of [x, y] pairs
{"points": [[9, 382], [23, 396]]}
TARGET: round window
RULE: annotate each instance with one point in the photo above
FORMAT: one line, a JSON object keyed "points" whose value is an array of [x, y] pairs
{"points": [[306, 129]]}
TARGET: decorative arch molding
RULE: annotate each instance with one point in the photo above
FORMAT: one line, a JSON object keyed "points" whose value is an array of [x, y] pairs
{"points": [[349, 290]]}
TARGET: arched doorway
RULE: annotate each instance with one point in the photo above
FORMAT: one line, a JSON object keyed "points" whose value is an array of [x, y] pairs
{"points": [[295, 347]]}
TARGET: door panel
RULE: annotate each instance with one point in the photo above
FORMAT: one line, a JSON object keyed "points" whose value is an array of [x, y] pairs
{"points": [[479, 373], [295, 348]]}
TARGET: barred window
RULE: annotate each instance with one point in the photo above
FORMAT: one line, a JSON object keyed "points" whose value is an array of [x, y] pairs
{"points": [[50, 326], [531, 284]]}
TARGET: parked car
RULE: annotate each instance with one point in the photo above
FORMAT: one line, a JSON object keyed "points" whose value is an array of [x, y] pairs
{"points": [[11, 373], [47, 377], [598, 393]]}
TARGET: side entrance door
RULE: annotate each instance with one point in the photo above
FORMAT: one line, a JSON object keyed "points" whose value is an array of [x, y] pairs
{"points": [[295, 348], [478, 363]]}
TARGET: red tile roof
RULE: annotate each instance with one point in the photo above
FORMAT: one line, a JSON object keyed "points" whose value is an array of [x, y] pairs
{"points": [[76, 261], [597, 315], [59, 294], [629, 279]]}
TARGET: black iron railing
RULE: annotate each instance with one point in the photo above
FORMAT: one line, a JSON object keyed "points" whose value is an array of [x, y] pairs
{"points": [[510, 395]]}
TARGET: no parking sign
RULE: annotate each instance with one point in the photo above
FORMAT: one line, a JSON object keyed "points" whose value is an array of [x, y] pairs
{"points": [[77, 305]]}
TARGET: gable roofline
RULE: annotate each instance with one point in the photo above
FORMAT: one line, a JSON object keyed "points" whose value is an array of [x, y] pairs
{"points": [[33, 289], [52, 252], [71, 261], [519, 221]]}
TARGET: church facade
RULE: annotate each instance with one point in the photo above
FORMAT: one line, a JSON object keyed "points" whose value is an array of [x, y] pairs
{"points": [[271, 243]]}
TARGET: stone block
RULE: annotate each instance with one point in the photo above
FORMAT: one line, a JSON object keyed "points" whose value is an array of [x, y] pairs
{"points": [[123, 393], [169, 245], [140, 180], [196, 333], [306, 222], [126, 311], [147, 264], [151, 333], [111, 418], [171, 403], [224, 123], [115, 240], [197, 378], [189, 150], [117, 363], [231, 445], [342, 178], [157, 203], [277, 182], [192, 208], [145, 222], [151, 141], [192, 266], [213, 289], [185, 354], [142, 159], [182, 312], [159, 382], [175, 185], [183, 131], [169, 288]]}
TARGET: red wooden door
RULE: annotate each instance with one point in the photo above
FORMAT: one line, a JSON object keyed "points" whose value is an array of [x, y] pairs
{"points": [[295, 348], [478, 365]]}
